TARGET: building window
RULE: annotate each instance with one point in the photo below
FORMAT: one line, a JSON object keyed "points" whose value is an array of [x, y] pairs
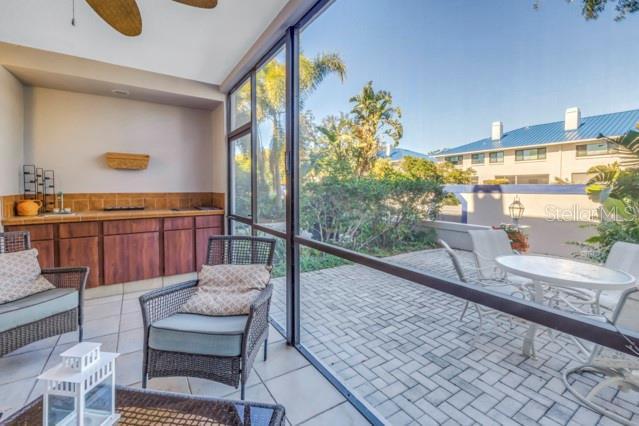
{"points": [[530, 154], [455, 159], [496, 157], [477, 158], [581, 178], [533, 179], [499, 179], [603, 148]]}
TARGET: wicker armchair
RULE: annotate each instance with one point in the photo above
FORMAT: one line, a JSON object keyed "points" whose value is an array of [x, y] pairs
{"points": [[58, 323], [225, 367]]}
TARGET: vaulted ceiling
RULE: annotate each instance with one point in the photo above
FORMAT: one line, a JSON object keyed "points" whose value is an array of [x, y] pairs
{"points": [[177, 40]]}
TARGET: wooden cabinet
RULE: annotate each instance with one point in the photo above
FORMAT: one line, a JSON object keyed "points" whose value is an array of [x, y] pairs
{"points": [[82, 252], [208, 222], [126, 250], [178, 252], [202, 244], [131, 257], [131, 226], [46, 253], [42, 240], [78, 230]]}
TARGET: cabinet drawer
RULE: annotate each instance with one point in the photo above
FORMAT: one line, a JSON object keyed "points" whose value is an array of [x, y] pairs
{"points": [[78, 230], [209, 221], [175, 223], [132, 226], [37, 232]]}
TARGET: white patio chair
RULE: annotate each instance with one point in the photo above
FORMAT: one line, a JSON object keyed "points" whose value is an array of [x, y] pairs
{"points": [[487, 245], [618, 369], [622, 257], [502, 287]]}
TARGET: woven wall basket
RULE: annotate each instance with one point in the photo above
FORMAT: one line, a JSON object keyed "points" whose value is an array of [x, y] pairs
{"points": [[121, 160]]}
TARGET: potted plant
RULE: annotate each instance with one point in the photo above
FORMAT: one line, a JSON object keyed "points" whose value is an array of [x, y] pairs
{"points": [[518, 238]]}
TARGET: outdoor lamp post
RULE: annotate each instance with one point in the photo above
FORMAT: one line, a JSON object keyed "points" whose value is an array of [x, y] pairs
{"points": [[81, 390], [516, 210]]}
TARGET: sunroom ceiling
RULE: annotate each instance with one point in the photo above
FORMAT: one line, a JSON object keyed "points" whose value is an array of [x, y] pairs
{"points": [[177, 40]]}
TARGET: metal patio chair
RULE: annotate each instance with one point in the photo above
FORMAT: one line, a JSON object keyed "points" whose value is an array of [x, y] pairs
{"points": [[616, 368], [45, 314], [499, 286], [622, 257], [218, 348]]}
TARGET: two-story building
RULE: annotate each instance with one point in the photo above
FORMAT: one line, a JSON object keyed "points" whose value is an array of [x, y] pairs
{"points": [[544, 153]]}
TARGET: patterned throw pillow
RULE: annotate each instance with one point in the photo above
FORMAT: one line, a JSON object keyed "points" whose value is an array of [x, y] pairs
{"points": [[227, 289], [20, 275]]}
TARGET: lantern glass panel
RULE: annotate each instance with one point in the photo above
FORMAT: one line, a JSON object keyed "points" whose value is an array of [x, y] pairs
{"points": [[98, 404], [61, 409]]}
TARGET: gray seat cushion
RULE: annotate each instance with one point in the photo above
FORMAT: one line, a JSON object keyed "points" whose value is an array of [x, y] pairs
{"points": [[199, 334], [36, 307]]}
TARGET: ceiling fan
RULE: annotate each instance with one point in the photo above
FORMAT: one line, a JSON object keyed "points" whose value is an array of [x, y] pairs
{"points": [[124, 15]]}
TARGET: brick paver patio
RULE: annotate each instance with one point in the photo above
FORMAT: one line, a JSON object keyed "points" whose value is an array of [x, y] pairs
{"points": [[403, 349]]}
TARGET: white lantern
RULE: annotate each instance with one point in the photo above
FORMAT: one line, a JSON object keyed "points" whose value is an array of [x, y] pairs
{"points": [[81, 390]]}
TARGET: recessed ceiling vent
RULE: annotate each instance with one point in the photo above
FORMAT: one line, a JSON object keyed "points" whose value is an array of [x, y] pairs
{"points": [[120, 92]]}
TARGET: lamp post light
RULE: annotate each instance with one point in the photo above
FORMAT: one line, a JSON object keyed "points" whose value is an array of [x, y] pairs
{"points": [[516, 210]]}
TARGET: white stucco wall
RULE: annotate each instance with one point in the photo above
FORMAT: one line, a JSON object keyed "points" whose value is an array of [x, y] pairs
{"points": [[555, 220], [70, 133], [11, 133], [219, 164]]}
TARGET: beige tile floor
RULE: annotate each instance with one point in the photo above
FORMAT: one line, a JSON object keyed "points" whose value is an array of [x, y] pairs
{"points": [[113, 318]]}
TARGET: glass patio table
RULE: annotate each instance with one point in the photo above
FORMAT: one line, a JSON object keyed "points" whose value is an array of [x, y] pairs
{"points": [[143, 407], [560, 272]]}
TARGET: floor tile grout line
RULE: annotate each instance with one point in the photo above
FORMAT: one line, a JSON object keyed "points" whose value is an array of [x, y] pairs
{"points": [[326, 411], [290, 371]]}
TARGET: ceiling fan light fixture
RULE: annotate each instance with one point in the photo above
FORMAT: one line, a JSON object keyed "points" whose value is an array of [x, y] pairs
{"points": [[123, 15]]}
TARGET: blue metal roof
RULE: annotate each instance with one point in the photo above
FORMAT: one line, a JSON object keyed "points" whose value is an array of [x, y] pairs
{"points": [[614, 124], [399, 153]]}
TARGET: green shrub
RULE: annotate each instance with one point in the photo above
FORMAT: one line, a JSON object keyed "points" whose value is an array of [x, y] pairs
{"points": [[377, 215]]}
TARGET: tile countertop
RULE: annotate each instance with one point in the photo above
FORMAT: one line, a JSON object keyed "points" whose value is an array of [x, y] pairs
{"points": [[96, 215]]}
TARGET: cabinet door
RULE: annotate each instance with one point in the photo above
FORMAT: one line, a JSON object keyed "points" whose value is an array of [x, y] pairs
{"points": [[81, 252], [46, 253], [178, 252], [131, 257], [202, 244]]}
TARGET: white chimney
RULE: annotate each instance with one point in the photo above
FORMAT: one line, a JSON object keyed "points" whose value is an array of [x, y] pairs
{"points": [[497, 130], [573, 119]]}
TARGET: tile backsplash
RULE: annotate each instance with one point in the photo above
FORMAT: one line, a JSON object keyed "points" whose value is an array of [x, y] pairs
{"points": [[149, 200]]}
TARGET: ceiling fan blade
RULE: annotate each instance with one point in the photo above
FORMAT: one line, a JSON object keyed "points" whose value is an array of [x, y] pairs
{"points": [[204, 4], [123, 15]]}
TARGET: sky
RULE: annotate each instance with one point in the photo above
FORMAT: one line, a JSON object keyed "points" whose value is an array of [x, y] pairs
{"points": [[455, 66]]}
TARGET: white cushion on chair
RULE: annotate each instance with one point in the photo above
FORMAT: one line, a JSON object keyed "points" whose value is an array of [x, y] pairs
{"points": [[20, 275], [227, 289]]}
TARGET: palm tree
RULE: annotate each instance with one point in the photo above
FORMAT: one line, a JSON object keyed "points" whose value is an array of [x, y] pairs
{"points": [[271, 109], [375, 122]]}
